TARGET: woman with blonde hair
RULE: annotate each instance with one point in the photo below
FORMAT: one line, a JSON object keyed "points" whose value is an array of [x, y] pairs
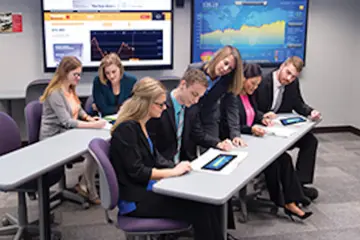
{"points": [[138, 165], [62, 111], [112, 86], [225, 74]]}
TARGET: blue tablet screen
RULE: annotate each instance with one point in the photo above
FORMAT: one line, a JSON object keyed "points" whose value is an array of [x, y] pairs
{"points": [[219, 162], [292, 120]]}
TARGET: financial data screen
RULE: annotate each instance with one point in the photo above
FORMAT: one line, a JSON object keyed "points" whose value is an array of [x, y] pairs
{"points": [[139, 31], [265, 32]]}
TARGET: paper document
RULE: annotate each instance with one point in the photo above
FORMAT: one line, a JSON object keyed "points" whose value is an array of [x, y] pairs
{"points": [[218, 162], [279, 131], [108, 126]]}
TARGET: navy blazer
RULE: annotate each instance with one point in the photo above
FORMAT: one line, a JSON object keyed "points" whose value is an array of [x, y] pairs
{"points": [[233, 116], [292, 99], [104, 98], [163, 133], [133, 161]]}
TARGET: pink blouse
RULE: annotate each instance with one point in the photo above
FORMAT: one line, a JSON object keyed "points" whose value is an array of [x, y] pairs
{"points": [[249, 110]]}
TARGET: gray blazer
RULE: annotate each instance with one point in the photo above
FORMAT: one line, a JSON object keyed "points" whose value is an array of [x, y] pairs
{"points": [[57, 115]]}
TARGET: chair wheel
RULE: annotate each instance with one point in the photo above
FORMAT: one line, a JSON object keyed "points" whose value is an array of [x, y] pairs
{"points": [[274, 210], [5, 222], [56, 236], [85, 205]]}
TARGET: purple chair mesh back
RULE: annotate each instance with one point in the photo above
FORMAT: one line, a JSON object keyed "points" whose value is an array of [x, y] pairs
{"points": [[10, 138], [88, 103], [33, 112], [99, 148]]}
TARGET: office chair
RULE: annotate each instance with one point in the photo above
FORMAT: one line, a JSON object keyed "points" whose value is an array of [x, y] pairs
{"points": [[170, 82], [252, 200], [10, 139], [35, 89], [33, 112], [109, 194]]}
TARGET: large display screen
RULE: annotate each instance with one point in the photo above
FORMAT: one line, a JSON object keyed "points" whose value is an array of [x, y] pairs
{"points": [[139, 31], [265, 32]]}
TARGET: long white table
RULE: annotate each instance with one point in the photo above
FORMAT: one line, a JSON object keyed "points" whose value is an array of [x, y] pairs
{"points": [[36, 160], [218, 189]]}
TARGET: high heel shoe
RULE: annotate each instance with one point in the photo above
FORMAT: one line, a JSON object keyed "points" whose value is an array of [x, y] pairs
{"points": [[291, 214]]}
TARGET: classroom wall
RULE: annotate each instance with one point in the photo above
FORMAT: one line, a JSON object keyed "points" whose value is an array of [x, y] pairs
{"points": [[332, 35]]}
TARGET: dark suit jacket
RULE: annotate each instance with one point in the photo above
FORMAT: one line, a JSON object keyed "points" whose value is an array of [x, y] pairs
{"points": [[163, 133], [292, 99], [233, 116], [133, 161], [104, 97], [209, 114]]}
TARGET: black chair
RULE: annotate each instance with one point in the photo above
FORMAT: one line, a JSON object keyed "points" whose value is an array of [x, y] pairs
{"points": [[170, 82], [251, 198]]}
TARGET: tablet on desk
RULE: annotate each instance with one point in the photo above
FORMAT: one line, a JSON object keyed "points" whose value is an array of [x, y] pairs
{"points": [[292, 120], [219, 162]]}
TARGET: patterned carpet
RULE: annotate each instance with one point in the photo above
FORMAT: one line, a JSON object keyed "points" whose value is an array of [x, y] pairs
{"points": [[336, 211]]}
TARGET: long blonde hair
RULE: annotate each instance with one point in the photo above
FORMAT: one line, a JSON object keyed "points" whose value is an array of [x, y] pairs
{"points": [[67, 64], [108, 60], [238, 78], [144, 93]]}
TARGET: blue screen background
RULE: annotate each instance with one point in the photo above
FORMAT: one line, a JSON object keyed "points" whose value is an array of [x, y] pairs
{"points": [[262, 33]]}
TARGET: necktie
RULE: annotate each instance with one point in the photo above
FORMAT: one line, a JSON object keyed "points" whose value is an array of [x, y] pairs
{"points": [[278, 99], [180, 126]]}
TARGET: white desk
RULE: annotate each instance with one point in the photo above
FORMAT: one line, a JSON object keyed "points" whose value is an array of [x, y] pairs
{"points": [[218, 189], [34, 161]]}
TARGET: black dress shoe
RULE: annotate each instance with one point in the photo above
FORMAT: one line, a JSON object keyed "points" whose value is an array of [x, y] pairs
{"points": [[310, 192], [305, 201]]}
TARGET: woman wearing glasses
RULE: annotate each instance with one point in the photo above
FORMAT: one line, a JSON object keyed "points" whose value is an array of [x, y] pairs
{"points": [[138, 165], [62, 111]]}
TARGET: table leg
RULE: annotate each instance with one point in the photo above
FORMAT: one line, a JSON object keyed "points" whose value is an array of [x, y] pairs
{"points": [[44, 208], [224, 215]]}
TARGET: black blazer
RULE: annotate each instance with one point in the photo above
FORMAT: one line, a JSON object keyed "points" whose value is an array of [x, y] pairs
{"points": [[208, 105], [292, 99], [133, 161], [233, 116], [163, 133]]}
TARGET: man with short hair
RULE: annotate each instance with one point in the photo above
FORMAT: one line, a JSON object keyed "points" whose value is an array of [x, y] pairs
{"points": [[279, 92], [172, 133]]}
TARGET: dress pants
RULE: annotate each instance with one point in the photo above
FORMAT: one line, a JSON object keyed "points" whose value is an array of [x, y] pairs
{"points": [[305, 165], [282, 181], [204, 218]]}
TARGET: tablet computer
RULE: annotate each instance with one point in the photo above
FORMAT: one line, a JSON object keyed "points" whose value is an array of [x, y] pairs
{"points": [[292, 120], [219, 162]]}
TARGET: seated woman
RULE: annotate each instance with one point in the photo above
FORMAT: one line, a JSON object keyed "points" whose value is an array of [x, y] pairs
{"points": [[138, 165], [112, 86], [239, 115], [62, 111]]}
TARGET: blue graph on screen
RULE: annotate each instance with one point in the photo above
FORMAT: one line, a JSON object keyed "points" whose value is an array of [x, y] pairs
{"points": [[265, 32]]}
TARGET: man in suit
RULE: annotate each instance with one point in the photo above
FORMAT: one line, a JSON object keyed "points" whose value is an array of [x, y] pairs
{"points": [[279, 92], [172, 133]]}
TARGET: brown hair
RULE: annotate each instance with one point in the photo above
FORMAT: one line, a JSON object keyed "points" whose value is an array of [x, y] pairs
{"points": [[194, 75], [296, 62], [67, 64], [144, 93], [238, 78], [111, 58]]}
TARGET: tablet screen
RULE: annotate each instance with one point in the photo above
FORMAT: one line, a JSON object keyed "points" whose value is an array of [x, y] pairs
{"points": [[292, 120], [219, 162]]}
